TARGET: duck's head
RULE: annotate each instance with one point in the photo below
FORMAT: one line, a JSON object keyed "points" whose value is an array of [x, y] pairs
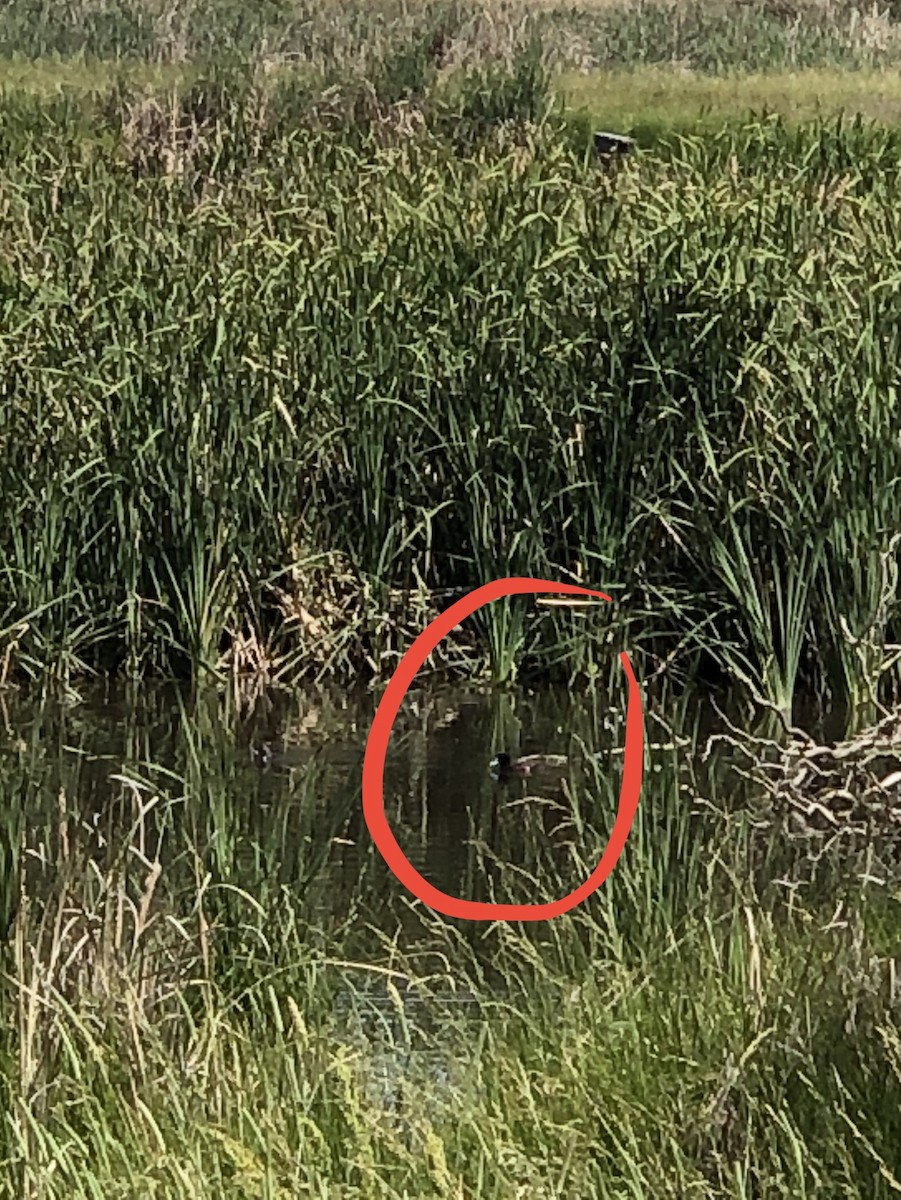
{"points": [[500, 762], [262, 754]]}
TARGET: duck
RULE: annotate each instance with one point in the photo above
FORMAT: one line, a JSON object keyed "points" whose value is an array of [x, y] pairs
{"points": [[265, 755], [545, 766], [613, 143], [261, 753]]}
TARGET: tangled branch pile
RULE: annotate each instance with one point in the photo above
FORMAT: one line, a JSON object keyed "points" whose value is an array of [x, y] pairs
{"points": [[851, 788]]}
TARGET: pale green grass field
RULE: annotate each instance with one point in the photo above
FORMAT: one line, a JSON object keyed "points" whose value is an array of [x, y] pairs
{"points": [[652, 97], [670, 98], [82, 76]]}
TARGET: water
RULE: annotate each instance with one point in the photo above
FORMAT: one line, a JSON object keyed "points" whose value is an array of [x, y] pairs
{"points": [[139, 827], [124, 808], [303, 815], [176, 770]]}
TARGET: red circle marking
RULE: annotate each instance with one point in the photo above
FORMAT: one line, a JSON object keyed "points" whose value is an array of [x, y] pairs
{"points": [[377, 747]]}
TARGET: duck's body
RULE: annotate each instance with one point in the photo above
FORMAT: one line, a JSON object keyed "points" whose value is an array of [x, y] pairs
{"points": [[545, 766], [265, 755], [613, 143]]}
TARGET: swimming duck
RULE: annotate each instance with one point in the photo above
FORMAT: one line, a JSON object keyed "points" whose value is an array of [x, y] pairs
{"points": [[545, 766], [266, 755]]}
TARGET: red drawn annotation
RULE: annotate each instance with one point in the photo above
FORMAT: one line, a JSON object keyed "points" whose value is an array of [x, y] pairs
{"points": [[377, 746]]}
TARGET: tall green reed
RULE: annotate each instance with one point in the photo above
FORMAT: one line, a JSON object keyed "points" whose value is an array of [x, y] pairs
{"points": [[356, 38], [280, 346]]}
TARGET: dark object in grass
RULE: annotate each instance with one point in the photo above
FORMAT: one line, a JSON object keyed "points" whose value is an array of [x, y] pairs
{"points": [[265, 755], [613, 143], [545, 766], [261, 753]]}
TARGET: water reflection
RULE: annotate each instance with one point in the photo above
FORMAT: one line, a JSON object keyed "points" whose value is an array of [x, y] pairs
{"points": [[441, 800]]}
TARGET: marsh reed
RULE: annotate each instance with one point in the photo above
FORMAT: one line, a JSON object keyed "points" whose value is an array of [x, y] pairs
{"points": [[279, 372], [353, 36]]}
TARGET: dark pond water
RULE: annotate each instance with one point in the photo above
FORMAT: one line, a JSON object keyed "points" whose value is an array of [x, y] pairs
{"points": [[99, 789], [123, 806], [181, 770]]}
